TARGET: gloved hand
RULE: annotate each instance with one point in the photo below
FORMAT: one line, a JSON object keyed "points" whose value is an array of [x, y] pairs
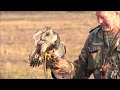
{"points": [[61, 68]]}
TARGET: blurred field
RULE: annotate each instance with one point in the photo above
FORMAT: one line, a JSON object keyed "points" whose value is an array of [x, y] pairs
{"points": [[16, 43]]}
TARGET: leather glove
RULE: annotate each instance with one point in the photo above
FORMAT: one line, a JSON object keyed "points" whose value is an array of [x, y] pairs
{"points": [[61, 68]]}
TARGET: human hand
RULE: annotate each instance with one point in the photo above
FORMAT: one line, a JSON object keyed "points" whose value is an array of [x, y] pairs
{"points": [[61, 68]]}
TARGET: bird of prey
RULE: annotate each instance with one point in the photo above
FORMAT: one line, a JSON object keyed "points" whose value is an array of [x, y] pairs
{"points": [[45, 41]]}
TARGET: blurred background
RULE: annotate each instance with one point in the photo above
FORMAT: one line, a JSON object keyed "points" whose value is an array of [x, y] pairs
{"points": [[16, 42]]}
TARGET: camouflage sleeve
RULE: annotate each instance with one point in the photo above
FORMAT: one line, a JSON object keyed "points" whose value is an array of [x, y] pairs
{"points": [[81, 70], [80, 67]]}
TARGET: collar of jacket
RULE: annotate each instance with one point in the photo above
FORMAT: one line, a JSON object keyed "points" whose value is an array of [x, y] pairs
{"points": [[99, 33]]}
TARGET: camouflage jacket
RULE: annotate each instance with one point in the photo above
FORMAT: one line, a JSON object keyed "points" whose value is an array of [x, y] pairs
{"points": [[93, 54]]}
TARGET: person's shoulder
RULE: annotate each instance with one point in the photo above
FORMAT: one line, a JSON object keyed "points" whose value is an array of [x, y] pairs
{"points": [[95, 29]]}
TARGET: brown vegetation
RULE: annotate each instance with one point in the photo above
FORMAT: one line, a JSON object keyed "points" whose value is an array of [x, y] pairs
{"points": [[16, 43]]}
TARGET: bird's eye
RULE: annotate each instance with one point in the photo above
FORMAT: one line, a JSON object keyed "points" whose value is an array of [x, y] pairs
{"points": [[47, 34]]}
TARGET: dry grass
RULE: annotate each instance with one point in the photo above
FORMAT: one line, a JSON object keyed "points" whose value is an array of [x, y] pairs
{"points": [[16, 43]]}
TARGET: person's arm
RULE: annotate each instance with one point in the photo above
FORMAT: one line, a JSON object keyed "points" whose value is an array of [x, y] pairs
{"points": [[62, 69], [81, 70], [76, 70]]}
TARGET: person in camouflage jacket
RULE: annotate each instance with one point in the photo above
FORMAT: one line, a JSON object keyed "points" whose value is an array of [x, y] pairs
{"points": [[100, 55]]}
